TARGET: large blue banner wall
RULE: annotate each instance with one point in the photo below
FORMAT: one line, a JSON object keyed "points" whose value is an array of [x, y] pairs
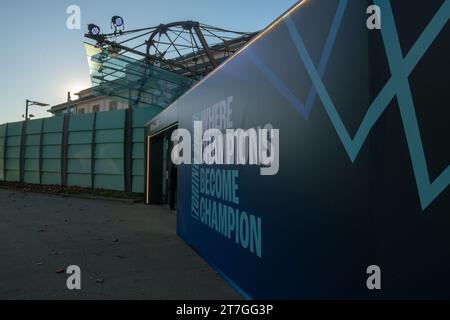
{"points": [[364, 155]]}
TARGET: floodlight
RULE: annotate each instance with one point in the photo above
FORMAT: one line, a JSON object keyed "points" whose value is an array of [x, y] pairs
{"points": [[93, 29], [117, 22]]}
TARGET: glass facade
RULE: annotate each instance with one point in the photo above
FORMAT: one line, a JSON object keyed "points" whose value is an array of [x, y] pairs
{"points": [[135, 82]]}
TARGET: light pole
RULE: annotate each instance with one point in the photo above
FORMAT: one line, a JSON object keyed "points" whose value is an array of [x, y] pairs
{"points": [[30, 103]]}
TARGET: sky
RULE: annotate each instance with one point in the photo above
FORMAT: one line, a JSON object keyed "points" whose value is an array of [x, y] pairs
{"points": [[41, 59]]}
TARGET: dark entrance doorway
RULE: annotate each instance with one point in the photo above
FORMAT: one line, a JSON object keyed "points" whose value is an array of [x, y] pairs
{"points": [[160, 169]]}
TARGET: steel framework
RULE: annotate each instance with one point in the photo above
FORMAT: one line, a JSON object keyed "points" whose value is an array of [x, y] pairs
{"points": [[188, 48]]}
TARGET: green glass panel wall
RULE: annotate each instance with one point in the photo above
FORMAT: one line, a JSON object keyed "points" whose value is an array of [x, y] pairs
{"points": [[140, 119], [95, 150], [109, 150], [51, 150], [12, 151], [33, 137], [2, 150], [79, 155]]}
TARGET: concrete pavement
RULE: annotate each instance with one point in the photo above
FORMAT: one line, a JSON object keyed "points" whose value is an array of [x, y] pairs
{"points": [[125, 251]]}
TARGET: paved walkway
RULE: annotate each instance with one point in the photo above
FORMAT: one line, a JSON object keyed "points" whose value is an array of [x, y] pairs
{"points": [[125, 251]]}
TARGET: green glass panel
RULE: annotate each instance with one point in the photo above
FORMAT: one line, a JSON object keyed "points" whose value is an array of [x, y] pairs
{"points": [[51, 152], [109, 151], [81, 151], [142, 116], [138, 135], [138, 184], [82, 122], [138, 150], [109, 166], [108, 136], [32, 152], [110, 120], [14, 129], [54, 124], [34, 126], [138, 167], [83, 137], [2, 130], [110, 182], [32, 177], [12, 153], [12, 175], [81, 180], [12, 164], [33, 140], [51, 138], [13, 141], [79, 166], [32, 164], [2, 147], [51, 165], [51, 178]]}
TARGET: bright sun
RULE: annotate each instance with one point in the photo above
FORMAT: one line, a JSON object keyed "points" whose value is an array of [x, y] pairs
{"points": [[75, 88]]}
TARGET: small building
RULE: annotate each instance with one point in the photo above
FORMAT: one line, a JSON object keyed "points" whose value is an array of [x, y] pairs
{"points": [[87, 102]]}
